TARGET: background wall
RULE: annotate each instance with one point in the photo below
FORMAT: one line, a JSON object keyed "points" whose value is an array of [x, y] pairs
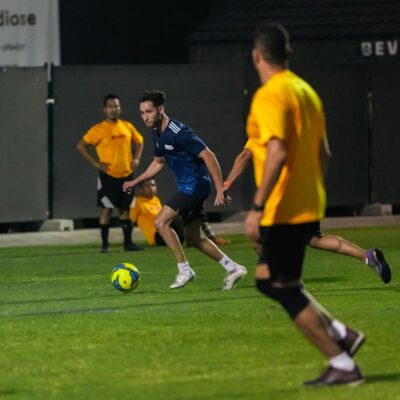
{"points": [[23, 145], [361, 109], [207, 98]]}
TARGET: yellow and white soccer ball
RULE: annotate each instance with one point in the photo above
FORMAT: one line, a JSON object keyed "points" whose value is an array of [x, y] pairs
{"points": [[125, 277]]}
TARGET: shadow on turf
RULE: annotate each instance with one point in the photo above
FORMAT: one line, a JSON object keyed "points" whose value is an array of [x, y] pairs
{"points": [[56, 299], [389, 288], [394, 377], [10, 392], [111, 295], [101, 310], [324, 279]]}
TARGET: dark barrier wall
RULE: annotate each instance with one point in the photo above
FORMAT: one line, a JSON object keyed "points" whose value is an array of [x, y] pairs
{"points": [[362, 128], [207, 98], [386, 134], [23, 145], [344, 92]]}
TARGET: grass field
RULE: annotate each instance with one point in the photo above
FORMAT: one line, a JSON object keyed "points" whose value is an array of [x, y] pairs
{"points": [[66, 333]]}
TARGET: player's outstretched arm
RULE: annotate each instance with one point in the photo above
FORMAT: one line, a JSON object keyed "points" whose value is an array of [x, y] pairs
{"points": [[152, 170], [239, 165], [215, 171]]}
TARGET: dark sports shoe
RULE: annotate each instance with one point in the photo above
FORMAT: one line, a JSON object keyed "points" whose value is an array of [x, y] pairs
{"points": [[104, 248], [333, 376], [377, 261], [132, 247], [352, 342]]}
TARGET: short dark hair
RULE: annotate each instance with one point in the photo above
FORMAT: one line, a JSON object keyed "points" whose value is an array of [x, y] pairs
{"points": [[272, 39], [157, 97], [110, 96]]}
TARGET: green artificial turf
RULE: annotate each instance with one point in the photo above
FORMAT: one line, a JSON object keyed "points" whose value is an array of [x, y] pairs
{"points": [[66, 333]]}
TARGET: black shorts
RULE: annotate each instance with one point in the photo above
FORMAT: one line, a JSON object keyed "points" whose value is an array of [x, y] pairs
{"points": [[110, 193], [317, 232], [188, 207], [283, 249]]}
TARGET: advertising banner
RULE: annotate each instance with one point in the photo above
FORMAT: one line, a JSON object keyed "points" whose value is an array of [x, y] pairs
{"points": [[29, 33]]}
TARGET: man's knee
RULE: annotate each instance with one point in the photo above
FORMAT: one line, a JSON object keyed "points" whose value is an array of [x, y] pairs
{"points": [[292, 298], [161, 223]]}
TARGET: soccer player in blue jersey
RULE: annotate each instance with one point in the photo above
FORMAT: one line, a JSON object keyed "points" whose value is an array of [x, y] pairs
{"points": [[192, 163]]}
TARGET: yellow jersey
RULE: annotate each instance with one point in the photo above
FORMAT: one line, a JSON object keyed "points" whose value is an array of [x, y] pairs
{"points": [[113, 142], [143, 212], [287, 108]]}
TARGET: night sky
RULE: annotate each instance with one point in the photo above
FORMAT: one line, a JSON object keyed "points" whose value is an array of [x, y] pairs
{"points": [[100, 32]]}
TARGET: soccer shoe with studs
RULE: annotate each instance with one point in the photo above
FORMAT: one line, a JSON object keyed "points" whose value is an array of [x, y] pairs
{"points": [[333, 376], [352, 342], [182, 279], [232, 277], [377, 261]]}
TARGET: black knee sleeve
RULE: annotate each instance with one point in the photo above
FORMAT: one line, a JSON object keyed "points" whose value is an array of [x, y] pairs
{"points": [[292, 299]]}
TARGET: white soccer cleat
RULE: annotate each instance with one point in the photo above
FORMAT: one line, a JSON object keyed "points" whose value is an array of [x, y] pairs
{"points": [[182, 279], [231, 278]]}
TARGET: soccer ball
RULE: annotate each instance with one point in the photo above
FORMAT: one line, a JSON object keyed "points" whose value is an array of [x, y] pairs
{"points": [[125, 277]]}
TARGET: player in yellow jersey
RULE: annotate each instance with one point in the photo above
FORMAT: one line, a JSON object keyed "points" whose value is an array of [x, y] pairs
{"points": [[371, 257], [113, 139], [146, 206], [286, 122]]}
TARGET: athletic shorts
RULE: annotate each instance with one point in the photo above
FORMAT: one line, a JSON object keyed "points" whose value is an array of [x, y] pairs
{"points": [[110, 193], [283, 249], [189, 208], [317, 232]]}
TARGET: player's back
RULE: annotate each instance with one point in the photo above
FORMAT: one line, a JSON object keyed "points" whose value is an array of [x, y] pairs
{"points": [[294, 114]]}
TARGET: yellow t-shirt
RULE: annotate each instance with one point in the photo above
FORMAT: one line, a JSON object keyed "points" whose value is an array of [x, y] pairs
{"points": [[143, 213], [288, 108], [113, 142], [259, 154]]}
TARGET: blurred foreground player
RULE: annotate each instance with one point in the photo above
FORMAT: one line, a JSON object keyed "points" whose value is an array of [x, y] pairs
{"points": [[286, 121]]}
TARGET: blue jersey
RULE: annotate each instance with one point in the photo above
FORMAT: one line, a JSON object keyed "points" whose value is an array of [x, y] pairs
{"points": [[180, 147]]}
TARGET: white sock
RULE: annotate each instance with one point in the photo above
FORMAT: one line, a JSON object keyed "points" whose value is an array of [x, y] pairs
{"points": [[339, 329], [184, 267], [227, 263], [342, 361]]}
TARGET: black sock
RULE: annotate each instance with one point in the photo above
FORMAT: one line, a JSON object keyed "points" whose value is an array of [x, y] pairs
{"points": [[126, 226], [104, 229]]}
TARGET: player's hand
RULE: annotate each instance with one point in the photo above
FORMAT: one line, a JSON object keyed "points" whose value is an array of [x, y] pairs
{"points": [[135, 163], [228, 199], [220, 198], [128, 185], [252, 225], [103, 167]]}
